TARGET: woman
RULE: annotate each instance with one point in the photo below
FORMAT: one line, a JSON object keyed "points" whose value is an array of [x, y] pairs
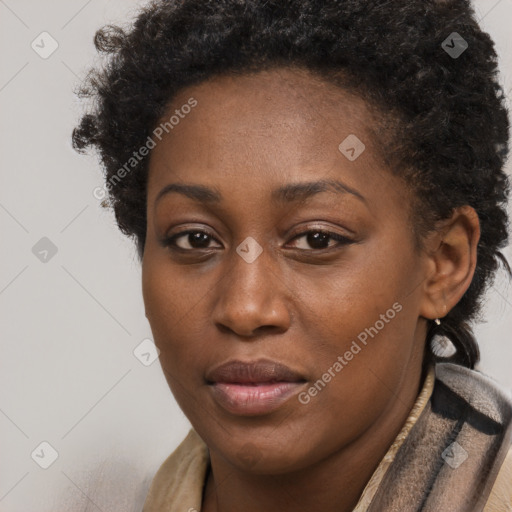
{"points": [[317, 194]]}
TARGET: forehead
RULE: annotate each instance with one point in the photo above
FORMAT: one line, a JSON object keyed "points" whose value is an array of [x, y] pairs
{"points": [[266, 128]]}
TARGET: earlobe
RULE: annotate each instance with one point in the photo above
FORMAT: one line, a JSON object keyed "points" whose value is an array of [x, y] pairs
{"points": [[452, 264]]}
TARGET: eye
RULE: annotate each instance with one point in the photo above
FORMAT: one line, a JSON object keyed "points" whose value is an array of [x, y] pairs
{"points": [[319, 239], [191, 239], [198, 239]]}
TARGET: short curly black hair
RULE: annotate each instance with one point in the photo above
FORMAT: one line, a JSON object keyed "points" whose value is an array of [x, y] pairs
{"points": [[447, 126]]}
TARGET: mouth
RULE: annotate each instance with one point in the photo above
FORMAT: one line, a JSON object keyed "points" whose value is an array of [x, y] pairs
{"points": [[253, 388]]}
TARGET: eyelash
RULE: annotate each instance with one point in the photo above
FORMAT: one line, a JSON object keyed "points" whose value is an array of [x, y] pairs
{"points": [[342, 240]]}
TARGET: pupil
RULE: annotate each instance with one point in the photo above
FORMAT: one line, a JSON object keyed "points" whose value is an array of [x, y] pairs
{"points": [[199, 240], [317, 240]]}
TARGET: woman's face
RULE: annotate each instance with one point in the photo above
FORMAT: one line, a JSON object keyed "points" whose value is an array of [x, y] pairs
{"points": [[259, 175]]}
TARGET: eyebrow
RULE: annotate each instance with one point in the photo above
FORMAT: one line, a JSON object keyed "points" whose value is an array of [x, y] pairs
{"points": [[285, 194]]}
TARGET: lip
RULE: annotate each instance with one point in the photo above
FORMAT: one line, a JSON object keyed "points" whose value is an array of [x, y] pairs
{"points": [[254, 387]]}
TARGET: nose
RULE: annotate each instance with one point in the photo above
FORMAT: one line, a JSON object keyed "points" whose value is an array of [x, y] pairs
{"points": [[252, 297]]}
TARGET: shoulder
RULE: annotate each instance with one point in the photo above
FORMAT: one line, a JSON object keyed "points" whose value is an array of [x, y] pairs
{"points": [[493, 404], [483, 393], [179, 481]]}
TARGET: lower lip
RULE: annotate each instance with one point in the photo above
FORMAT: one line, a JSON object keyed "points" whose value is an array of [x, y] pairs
{"points": [[246, 399]]}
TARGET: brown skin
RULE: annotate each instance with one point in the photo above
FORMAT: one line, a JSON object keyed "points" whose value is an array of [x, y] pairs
{"points": [[296, 303]]}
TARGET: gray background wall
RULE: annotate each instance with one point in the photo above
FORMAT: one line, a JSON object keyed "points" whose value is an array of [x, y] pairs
{"points": [[68, 375]]}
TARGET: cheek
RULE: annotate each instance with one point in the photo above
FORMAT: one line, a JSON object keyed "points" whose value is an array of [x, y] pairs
{"points": [[359, 368], [355, 293], [168, 304], [177, 303], [362, 335]]}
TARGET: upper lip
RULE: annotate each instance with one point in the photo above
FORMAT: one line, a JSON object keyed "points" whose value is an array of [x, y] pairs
{"points": [[263, 370]]}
